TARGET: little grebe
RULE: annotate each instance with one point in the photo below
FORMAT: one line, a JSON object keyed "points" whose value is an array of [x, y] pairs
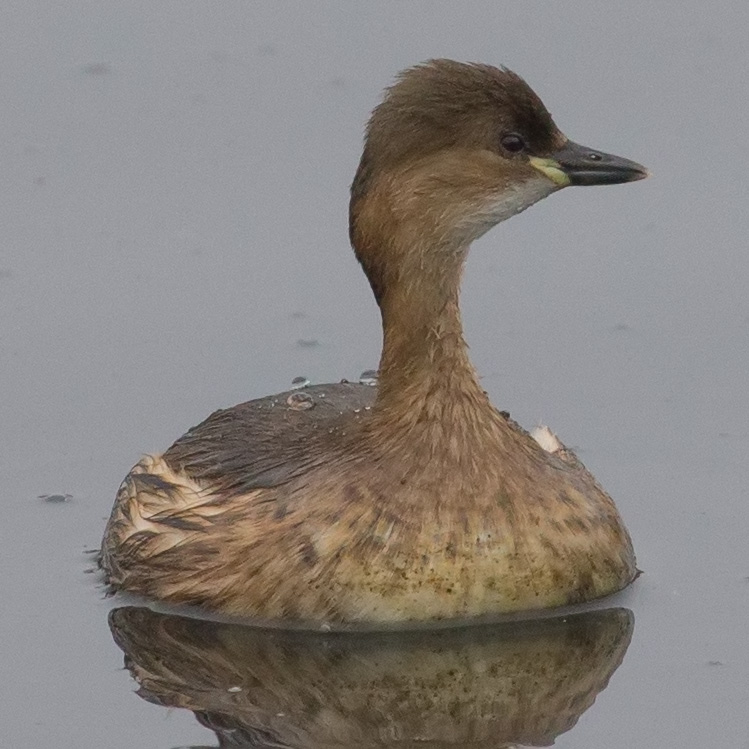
{"points": [[416, 500]]}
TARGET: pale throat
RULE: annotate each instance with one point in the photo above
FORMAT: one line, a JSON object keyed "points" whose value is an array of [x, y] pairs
{"points": [[423, 332]]}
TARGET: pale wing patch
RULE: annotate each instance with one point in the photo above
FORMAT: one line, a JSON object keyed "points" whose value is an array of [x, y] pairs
{"points": [[546, 439]]}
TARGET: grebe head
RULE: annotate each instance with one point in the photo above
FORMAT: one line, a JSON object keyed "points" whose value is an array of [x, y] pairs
{"points": [[455, 148]]}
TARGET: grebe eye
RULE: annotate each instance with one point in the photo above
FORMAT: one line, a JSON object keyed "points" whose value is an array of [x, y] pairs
{"points": [[513, 143], [593, 156]]}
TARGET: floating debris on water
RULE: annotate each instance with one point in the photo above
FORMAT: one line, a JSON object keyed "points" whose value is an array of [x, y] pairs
{"points": [[368, 377], [299, 382], [307, 342], [56, 499], [300, 401]]}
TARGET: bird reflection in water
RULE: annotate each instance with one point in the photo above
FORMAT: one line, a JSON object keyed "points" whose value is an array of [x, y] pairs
{"points": [[522, 682]]}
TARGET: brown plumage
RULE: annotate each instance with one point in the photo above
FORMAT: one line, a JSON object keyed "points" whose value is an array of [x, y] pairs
{"points": [[416, 500]]}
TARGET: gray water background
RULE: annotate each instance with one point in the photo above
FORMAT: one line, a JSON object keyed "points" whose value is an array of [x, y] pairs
{"points": [[173, 197]]}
